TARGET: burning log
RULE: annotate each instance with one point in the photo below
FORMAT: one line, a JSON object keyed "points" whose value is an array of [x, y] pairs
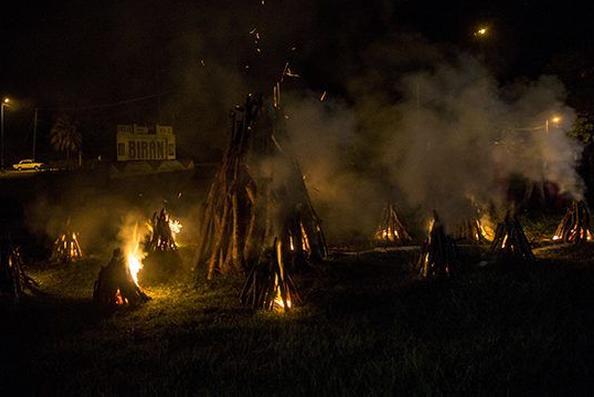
{"points": [[249, 205], [510, 242], [162, 232], [117, 283], [391, 230], [269, 285], [575, 225], [66, 247], [438, 252], [13, 279]]}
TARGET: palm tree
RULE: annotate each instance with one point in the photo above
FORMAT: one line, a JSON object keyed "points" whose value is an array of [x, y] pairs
{"points": [[65, 137]]}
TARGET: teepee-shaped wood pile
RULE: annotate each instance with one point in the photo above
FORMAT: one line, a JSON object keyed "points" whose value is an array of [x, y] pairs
{"points": [[470, 231], [66, 247], [391, 230], [14, 282], [510, 242], [575, 225], [438, 252], [258, 214]]}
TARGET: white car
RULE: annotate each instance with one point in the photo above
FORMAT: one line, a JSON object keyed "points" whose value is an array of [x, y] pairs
{"points": [[28, 164]]}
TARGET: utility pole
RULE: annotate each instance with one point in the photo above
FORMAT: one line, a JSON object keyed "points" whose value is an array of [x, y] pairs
{"points": [[2, 135], [34, 132]]}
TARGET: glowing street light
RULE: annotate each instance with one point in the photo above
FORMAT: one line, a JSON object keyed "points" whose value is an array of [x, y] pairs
{"points": [[482, 31], [554, 119]]}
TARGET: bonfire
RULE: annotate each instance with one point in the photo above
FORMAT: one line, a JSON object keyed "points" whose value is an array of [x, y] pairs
{"points": [[66, 247], [391, 230], [575, 225], [438, 252], [14, 282], [510, 242], [474, 231], [162, 232], [258, 217], [269, 286], [117, 283]]}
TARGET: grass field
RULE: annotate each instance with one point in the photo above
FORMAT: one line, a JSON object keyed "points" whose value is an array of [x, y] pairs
{"points": [[367, 328]]}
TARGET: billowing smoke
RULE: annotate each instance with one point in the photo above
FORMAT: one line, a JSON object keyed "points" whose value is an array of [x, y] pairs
{"points": [[449, 140]]}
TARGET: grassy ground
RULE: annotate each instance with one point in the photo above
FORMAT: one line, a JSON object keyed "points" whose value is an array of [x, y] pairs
{"points": [[367, 328]]}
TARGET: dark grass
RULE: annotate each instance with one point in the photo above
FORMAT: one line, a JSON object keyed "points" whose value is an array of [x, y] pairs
{"points": [[368, 328]]}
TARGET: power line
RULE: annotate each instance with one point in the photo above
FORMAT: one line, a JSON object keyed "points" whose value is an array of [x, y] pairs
{"points": [[112, 104]]}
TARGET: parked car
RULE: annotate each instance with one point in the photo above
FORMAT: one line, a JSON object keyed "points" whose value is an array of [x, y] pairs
{"points": [[28, 164]]}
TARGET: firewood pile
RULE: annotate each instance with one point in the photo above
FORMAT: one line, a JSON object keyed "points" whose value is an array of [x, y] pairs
{"points": [[115, 285], [510, 242], [161, 236], [438, 252], [575, 225], [269, 285], [66, 247], [14, 282], [391, 230], [470, 231], [250, 206]]}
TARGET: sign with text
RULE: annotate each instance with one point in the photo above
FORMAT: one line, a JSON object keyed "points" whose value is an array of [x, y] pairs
{"points": [[142, 143]]}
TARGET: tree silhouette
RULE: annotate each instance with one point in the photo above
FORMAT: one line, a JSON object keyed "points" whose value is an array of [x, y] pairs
{"points": [[65, 137]]}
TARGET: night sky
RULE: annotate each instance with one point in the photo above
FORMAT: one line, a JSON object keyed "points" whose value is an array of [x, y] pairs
{"points": [[188, 59]]}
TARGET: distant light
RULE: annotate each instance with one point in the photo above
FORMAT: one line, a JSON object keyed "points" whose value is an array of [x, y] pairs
{"points": [[6, 100], [482, 31], [556, 119]]}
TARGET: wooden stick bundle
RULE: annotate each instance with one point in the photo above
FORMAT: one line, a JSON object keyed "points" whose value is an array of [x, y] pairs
{"points": [[510, 242], [575, 225], [391, 230], [438, 252]]}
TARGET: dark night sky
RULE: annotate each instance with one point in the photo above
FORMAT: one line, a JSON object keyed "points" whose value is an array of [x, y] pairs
{"points": [[79, 54]]}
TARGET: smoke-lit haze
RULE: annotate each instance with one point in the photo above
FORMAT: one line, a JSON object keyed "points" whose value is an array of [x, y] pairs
{"points": [[453, 136]]}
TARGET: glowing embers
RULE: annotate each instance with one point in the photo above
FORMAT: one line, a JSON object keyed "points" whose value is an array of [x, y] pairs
{"points": [[510, 242], [575, 225], [13, 279], [269, 285], [438, 252], [66, 247], [163, 231], [391, 230]]}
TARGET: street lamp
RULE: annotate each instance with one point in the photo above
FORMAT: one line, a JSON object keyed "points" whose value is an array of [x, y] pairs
{"points": [[481, 31], [554, 119], [5, 103]]}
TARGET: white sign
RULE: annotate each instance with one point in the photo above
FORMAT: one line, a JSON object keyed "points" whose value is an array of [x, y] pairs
{"points": [[141, 143]]}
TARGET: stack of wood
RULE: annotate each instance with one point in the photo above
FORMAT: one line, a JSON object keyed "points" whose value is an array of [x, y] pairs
{"points": [[66, 247], [391, 230], [250, 206], [470, 231], [269, 285], [14, 282], [258, 218], [438, 252], [575, 225], [160, 237], [115, 286], [510, 242]]}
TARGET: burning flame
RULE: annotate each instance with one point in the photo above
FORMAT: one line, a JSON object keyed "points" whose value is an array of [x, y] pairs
{"points": [[175, 226], [279, 304], [134, 255], [486, 227]]}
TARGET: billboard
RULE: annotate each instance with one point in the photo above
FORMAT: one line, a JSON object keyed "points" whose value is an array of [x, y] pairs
{"points": [[136, 142]]}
